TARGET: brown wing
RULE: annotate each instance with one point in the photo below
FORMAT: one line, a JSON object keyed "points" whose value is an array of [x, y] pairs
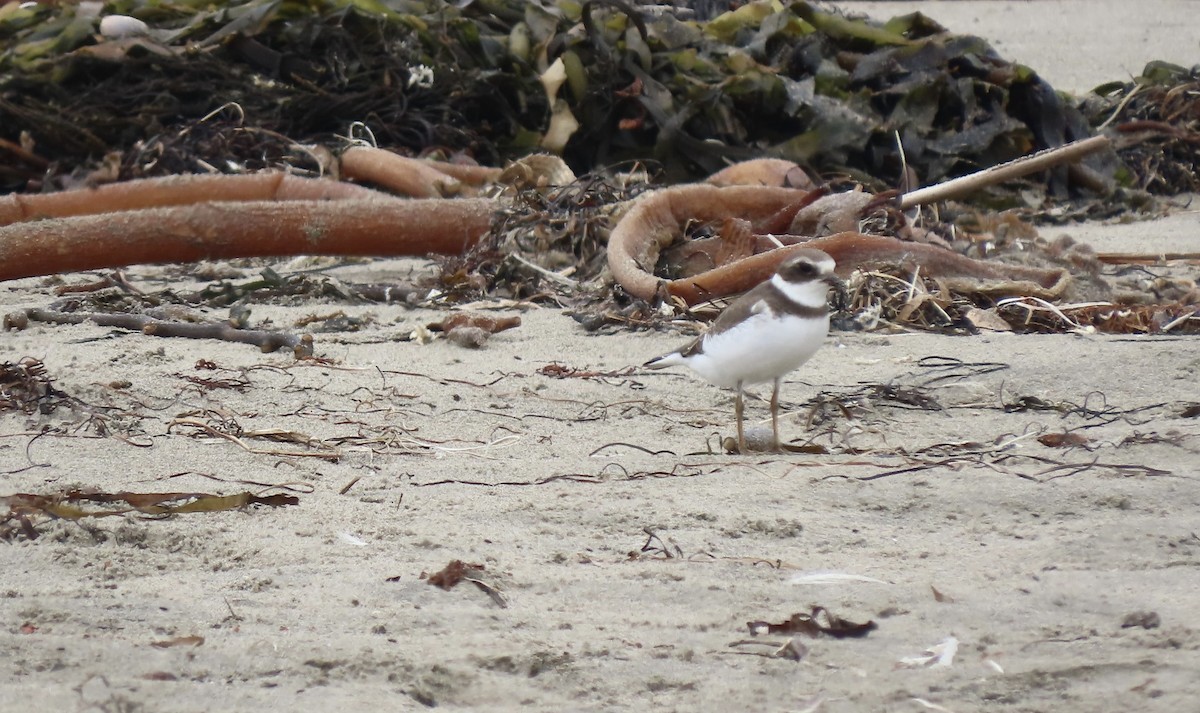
{"points": [[742, 308]]}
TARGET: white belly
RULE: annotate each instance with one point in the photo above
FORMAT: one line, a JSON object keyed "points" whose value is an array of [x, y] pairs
{"points": [[760, 349]]}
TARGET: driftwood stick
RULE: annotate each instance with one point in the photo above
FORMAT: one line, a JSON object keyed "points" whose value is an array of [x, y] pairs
{"points": [[965, 185], [175, 191], [218, 231], [268, 341]]}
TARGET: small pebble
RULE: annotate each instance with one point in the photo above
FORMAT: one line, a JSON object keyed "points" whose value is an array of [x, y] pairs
{"points": [[758, 438], [1142, 619], [469, 337]]}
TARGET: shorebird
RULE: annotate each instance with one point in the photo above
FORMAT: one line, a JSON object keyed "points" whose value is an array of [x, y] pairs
{"points": [[764, 334]]}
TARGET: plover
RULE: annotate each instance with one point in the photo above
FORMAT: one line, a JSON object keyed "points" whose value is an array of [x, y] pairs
{"points": [[764, 334]]}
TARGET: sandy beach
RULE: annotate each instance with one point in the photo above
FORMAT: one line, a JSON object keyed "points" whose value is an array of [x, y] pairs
{"points": [[622, 554]]}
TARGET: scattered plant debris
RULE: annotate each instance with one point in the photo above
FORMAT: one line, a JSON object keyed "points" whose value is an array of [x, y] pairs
{"points": [[817, 622], [449, 576], [554, 370], [458, 571], [792, 649], [26, 386], [1157, 117], [656, 547], [219, 425], [26, 510]]}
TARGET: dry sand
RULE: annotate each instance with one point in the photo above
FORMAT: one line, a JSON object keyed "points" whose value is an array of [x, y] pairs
{"points": [[552, 484]]}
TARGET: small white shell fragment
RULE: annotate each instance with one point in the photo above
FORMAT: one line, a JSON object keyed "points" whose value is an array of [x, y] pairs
{"points": [[825, 577], [420, 76], [939, 656], [350, 539], [929, 705], [118, 26], [421, 335]]}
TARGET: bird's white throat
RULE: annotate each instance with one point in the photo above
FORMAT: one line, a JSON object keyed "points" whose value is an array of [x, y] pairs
{"points": [[813, 294]]}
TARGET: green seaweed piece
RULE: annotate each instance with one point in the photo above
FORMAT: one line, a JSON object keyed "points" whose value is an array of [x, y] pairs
{"points": [[1164, 73], [844, 28], [726, 28]]}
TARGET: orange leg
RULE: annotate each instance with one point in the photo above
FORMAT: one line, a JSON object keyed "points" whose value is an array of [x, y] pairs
{"points": [[775, 417], [739, 410]]}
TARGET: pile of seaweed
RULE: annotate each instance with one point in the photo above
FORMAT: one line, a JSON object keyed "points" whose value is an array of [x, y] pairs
{"points": [[237, 86]]}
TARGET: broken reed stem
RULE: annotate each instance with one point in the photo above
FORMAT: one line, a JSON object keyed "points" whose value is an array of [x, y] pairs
{"points": [[965, 185]]}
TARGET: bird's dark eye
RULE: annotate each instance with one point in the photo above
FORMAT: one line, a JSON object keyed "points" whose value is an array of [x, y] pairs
{"points": [[802, 269]]}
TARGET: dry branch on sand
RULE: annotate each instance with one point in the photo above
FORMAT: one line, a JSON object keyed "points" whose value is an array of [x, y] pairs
{"points": [[268, 341]]}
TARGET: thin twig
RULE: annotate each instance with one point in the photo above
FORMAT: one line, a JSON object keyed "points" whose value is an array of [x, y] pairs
{"points": [[548, 274], [1120, 107]]}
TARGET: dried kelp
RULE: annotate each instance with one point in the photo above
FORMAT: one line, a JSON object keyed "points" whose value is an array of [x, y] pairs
{"points": [[566, 227], [221, 426], [692, 90], [1036, 315], [449, 576], [817, 622], [26, 386], [1157, 122], [247, 85], [458, 571]]}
